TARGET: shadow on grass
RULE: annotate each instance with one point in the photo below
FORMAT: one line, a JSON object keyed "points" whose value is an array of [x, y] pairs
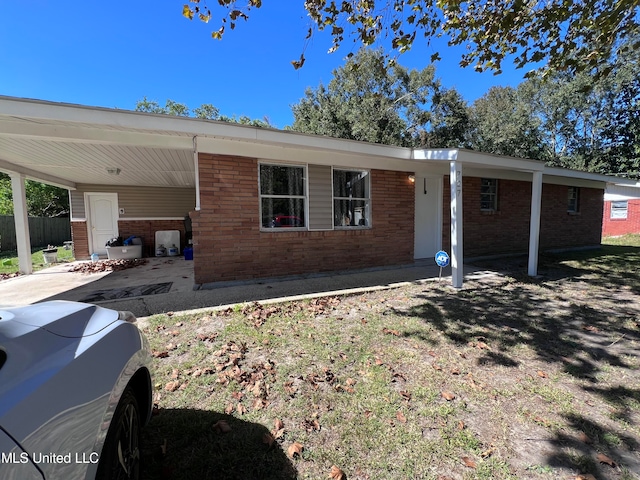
{"points": [[198, 447]]}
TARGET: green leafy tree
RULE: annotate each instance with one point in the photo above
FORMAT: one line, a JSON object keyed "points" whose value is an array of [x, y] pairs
{"points": [[368, 101], [205, 111], [42, 200], [565, 35], [504, 123]]}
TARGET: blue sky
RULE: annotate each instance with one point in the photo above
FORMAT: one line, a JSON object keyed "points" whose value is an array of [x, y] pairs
{"points": [[113, 53]]}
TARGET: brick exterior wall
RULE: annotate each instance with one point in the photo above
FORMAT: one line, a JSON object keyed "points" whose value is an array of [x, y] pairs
{"points": [[229, 245], [621, 226], [80, 240], [507, 229], [146, 229]]}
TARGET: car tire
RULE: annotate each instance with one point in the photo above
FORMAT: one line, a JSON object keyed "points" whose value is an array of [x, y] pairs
{"points": [[120, 459]]}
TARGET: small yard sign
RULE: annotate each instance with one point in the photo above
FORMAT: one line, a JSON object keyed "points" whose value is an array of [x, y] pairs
{"points": [[442, 260]]}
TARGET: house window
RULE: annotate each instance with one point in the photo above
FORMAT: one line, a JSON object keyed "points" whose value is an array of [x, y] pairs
{"points": [[351, 203], [282, 196], [573, 200], [489, 194], [619, 209]]}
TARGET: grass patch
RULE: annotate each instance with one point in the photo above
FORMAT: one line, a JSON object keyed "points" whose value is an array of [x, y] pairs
{"points": [[9, 259], [507, 378]]}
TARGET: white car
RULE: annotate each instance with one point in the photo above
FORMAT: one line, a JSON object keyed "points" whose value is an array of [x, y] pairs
{"points": [[75, 390]]}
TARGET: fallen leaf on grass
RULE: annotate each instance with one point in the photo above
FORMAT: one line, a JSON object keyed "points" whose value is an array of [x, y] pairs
{"points": [[295, 449], [172, 386], [241, 409], [591, 328], [336, 473], [221, 426], [311, 425], [461, 425], [388, 331], [448, 396], [488, 452], [229, 409], [268, 439], [175, 373], [469, 462], [157, 354], [584, 438], [455, 371], [602, 458], [585, 476], [278, 424], [400, 416], [542, 374]]}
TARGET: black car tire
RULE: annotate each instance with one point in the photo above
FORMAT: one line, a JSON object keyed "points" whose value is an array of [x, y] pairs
{"points": [[120, 459]]}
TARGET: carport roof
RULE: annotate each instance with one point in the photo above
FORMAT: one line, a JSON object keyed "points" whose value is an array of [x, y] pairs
{"points": [[64, 144]]}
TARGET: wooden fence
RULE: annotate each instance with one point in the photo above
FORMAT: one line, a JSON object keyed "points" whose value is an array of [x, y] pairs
{"points": [[43, 230]]}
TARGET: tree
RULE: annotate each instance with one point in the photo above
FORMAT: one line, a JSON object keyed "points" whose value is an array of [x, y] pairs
{"points": [[204, 111], [370, 102], [42, 200], [503, 123], [566, 35]]}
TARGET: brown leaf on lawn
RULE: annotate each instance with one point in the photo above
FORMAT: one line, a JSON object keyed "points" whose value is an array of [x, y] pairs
{"points": [[602, 458], [482, 346], [268, 439], [241, 409], [488, 452], [591, 328], [157, 354], [379, 362], [436, 366], [585, 476], [278, 424], [229, 409], [367, 413], [175, 373], [311, 425], [172, 386], [542, 374], [461, 425], [432, 353], [336, 473], [179, 324], [295, 449], [171, 346], [388, 331], [290, 388], [174, 333], [469, 462], [455, 371], [221, 426], [406, 395], [401, 418], [584, 438], [448, 396], [259, 404]]}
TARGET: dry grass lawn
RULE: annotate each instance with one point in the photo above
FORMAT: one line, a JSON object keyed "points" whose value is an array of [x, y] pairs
{"points": [[509, 377]]}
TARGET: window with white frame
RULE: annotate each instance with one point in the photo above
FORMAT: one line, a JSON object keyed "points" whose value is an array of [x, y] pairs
{"points": [[619, 209], [351, 198], [282, 196], [573, 199], [489, 194]]}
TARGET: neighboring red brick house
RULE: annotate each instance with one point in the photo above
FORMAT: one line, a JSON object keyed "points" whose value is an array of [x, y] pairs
{"points": [[265, 203], [621, 214]]}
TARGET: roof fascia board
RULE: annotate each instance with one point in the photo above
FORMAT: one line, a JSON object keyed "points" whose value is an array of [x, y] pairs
{"points": [[471, 157], [138, 121], [37, 176], [573, 181], [596, 177]]}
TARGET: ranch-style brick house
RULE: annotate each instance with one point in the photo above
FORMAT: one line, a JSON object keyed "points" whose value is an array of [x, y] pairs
{"points": [[267, 203], [621, 215]]}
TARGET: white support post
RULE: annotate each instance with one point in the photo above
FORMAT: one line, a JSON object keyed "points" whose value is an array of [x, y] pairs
{"points": [[455, 179], [534, 225], [21, 218], [197, 171]]}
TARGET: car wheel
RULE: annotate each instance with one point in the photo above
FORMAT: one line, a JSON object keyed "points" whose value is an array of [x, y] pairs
{"points": [[120, 459]]}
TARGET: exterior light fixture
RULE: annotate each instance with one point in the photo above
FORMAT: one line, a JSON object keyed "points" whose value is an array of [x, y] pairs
{"points": [[412, 178], [113, 171]]}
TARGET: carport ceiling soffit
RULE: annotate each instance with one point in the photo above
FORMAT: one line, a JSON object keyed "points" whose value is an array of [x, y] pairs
{"points": [[82, 153]]}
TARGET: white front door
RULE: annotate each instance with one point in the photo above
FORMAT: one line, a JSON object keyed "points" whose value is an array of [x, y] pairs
{"points": [[102, 220], [428, 217]]}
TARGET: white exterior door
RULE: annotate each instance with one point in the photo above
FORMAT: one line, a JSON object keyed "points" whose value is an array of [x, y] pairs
{"points": [[428, 217], [102, 220]]}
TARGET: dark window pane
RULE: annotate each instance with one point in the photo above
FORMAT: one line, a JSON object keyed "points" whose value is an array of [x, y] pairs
{"points": [[283, 212], [350, 184], [281, 180]]}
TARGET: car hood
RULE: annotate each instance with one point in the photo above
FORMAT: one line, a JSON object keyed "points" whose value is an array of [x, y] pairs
{"points": [[64, 319]]}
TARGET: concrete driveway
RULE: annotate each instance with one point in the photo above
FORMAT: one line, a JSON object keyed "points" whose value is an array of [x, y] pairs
{"points": [[166, 285]]}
